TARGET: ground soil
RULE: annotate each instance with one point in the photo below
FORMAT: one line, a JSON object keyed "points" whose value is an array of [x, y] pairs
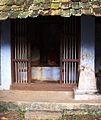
{"points": [[83, 117], [10, 116], [16, 116]]}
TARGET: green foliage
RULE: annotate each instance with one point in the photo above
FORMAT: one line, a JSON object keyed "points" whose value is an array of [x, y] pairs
{"points": [[86, 115], [63, 115], [3, 109], [22, 114], [9, 107], [94, 113]]}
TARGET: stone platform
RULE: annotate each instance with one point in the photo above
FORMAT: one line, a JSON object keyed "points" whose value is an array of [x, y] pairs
{"points": [[35, 96], [46, 105]]}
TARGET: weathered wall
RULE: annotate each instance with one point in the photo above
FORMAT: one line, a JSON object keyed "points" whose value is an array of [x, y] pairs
{"points": [[5, 55]]}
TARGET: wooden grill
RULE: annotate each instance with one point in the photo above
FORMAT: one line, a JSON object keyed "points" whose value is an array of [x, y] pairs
{"points": [[70, 51], [20, 52]]}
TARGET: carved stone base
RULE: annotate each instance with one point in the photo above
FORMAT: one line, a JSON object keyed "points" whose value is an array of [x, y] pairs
{"points": [[86, 95]]}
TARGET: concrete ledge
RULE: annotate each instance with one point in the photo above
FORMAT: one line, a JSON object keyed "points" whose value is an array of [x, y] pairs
{"points": [[87, 97]]}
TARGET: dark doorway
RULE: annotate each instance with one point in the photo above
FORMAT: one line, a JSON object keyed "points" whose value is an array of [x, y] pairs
{"points": [[45, 49]]}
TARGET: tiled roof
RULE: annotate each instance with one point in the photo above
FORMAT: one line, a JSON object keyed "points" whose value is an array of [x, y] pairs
{"points": [[33, 8]]}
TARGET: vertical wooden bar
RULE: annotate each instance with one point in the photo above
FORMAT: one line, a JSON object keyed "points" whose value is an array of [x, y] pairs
{"points": [[16, 63], [78, 43], [15, 53], [12, 50], [66, 51], [29, 57], [26, 57], [22, 50], [20, 53], [61, 56], [64, 63], [24, 44], [69, 50], [19, 65], [75, 49]]}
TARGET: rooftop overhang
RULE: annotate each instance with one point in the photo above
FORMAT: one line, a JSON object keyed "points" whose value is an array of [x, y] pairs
{"points": [[33, 8]]}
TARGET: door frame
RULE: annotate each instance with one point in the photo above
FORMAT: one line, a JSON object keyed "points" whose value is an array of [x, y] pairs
{"points": [[57, 87]]}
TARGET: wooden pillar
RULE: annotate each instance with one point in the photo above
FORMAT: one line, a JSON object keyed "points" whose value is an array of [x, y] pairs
{"points": [[87, 81]]}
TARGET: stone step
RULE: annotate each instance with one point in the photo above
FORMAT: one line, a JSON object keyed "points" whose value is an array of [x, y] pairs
{"points": [[57, 111], [50, 110], [36, 96], [42, 115]]}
